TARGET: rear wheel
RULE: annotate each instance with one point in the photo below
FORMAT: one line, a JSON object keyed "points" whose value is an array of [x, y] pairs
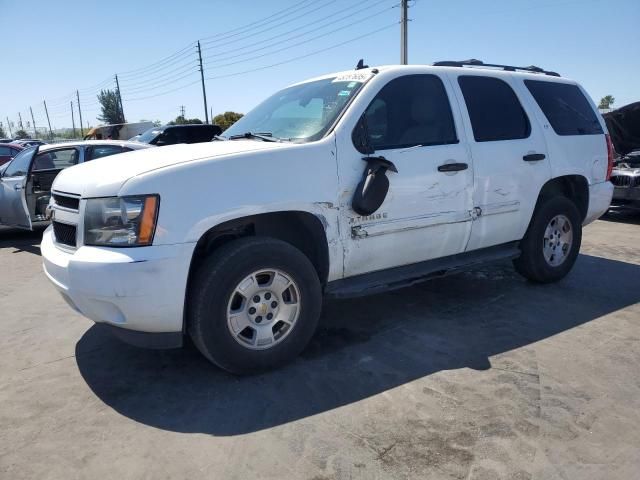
{"points": [[552, 242], [254, 305]]}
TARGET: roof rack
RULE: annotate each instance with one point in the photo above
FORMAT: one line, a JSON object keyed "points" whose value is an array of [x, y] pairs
{"points": [[478, 63]]}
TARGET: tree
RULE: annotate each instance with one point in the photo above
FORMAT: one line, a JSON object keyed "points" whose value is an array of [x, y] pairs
{"points": [[21, 134], [111, 112], [2, 132], [180, 120], [606, 102], [226, 119]]}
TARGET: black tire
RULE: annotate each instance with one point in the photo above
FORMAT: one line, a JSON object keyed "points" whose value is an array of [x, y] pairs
{"points": [[215, 282], [532, 264]]}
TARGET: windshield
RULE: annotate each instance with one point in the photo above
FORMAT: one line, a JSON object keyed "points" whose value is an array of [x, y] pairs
{"points": [[302, 113], [149, 135]]}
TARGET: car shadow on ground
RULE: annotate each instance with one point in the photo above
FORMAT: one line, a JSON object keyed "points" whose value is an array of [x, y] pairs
{"points": [[21, 240], [622, 215], [364, 347]]}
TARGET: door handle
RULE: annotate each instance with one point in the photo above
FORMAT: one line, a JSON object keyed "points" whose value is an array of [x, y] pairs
{"points": [[452, 167], [17, 187], [534, 157]]}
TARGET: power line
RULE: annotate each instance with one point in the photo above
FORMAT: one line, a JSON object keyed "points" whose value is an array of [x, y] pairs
{"points": [[277, 25], [288, 47], [129, 73], [316, 52], [263, 21], [264, 67], [314, 22], [167, 76]]}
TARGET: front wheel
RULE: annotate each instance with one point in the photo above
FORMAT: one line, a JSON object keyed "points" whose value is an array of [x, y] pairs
{"points": [[552, 242], [254, 305]]}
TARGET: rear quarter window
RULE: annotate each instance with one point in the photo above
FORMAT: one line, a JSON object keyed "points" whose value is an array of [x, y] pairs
{"points": [[566, 108]]}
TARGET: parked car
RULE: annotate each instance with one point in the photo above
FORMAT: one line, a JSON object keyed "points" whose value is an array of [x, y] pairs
{"points": [[344, 185], [173, 134], [25, 183], [28, 142], [8, 151], [624, 126], [118, 131], [6, 140]]}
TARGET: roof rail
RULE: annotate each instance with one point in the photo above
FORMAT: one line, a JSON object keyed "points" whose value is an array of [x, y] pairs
{"points": [[478, 63]]}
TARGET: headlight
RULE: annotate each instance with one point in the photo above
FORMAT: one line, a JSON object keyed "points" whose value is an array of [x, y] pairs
{"points": [[121, 221]]}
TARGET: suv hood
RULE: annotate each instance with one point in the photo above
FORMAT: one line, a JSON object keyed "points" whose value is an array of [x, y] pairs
{"points": [[105, 176]]}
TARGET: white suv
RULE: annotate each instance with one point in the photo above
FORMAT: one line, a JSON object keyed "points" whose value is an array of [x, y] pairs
{"points": [[343, 185]]}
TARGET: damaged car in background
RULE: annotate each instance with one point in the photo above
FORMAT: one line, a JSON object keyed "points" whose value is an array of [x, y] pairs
{"points": [[624, 127]]}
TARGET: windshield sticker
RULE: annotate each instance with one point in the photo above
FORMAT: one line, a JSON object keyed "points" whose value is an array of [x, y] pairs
{"points": [[352, 84], [359, 77], [344, 93]]}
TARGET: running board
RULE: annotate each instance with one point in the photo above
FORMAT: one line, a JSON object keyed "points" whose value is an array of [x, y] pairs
{"points": [[400, 277]]}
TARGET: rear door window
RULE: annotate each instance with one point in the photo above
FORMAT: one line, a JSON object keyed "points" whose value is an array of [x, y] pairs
{"points": [[102, 151], [566, 108], [494, 109]]}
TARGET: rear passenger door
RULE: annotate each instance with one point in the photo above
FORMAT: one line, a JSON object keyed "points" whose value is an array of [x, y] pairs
{"points": [[509, 156]]}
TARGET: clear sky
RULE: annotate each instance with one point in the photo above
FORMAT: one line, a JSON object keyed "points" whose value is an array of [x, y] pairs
{"points": [[53, 48]]}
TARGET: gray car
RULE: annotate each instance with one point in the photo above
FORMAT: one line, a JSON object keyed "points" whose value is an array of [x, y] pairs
{"points": [[25, 182]]}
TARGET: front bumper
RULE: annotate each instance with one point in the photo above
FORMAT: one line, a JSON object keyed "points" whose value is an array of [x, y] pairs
{"points": [[132, 289], [599, 201]]}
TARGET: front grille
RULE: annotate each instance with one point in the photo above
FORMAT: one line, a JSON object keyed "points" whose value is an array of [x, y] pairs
{"points": [[66, 202], [64, 233]]}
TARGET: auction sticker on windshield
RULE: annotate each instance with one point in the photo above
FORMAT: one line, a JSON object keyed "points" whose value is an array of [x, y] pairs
{"points": [[353, 77]]}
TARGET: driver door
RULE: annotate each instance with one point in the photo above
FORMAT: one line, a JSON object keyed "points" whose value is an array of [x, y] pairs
{"points": [[426, 213], [13, 201]]}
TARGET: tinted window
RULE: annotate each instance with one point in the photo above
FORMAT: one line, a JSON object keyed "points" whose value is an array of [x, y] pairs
{"points": [[5, 151], [56, 159], [201, 134], [102, 151], [20, 164], [566, 108], [408, 111], [171, 136], [149, 135], [494, 109]]}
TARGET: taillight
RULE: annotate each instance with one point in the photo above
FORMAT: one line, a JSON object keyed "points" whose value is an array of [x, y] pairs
{"points": [[609, 156]]}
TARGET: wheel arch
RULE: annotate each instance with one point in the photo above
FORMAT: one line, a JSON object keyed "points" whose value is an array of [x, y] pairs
{"points": [[302, 229], [574, 187]]}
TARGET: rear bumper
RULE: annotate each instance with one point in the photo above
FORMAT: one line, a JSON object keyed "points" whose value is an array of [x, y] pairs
{"points": [[600, 195], [131, 289]]}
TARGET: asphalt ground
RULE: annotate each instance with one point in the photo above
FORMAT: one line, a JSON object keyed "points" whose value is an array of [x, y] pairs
{"points": [[480, 375]]}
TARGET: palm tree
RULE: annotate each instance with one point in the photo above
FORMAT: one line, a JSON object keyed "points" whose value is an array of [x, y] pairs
{"points": [[606, 102]]}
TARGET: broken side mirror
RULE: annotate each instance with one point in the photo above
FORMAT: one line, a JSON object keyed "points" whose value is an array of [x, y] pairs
{"points": [[373, 187]]}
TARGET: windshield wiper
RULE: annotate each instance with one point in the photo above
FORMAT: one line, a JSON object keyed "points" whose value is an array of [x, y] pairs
{"points": [[264, 136], [219, 137]]}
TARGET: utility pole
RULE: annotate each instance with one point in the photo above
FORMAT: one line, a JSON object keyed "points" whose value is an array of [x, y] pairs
{"points": [[204, 91], [182, 111], [404, 30], [73, 120], [80, 113], [35, 130], [120, 99], [9, 127], [48, 121]]}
